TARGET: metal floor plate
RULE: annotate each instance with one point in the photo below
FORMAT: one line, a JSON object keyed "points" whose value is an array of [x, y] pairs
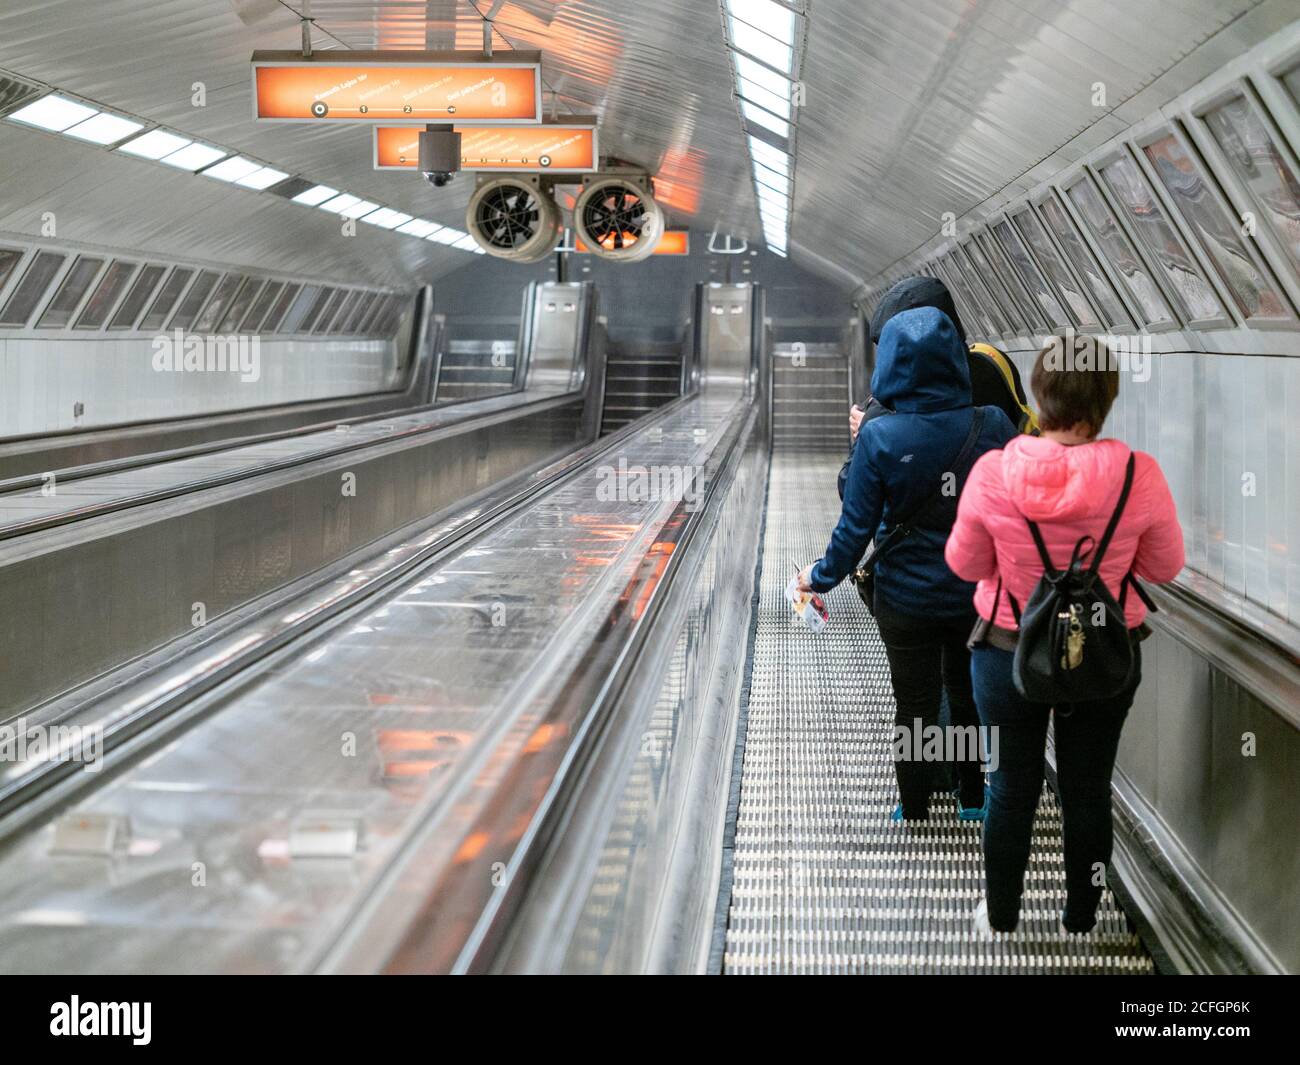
{"points": [[824, 882]]}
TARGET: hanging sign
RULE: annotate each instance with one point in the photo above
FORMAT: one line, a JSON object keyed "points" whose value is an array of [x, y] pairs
{"points": [[388, 87], [567, 146]]}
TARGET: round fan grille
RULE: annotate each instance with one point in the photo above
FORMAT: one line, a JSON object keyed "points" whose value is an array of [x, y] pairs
{"points": [[617, 217], [509, 216]]}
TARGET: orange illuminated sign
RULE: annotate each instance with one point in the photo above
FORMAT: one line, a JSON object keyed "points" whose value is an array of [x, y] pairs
{"points": [[673, 242], [563, 147], [398, 87]]}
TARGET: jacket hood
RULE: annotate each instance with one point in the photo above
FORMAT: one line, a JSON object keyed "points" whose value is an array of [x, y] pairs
{"points": [[907, 295], [921, 363], [1048, 481]]}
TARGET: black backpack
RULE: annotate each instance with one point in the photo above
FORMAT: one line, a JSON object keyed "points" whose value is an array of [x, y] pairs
{"points": [[1074, 644]]}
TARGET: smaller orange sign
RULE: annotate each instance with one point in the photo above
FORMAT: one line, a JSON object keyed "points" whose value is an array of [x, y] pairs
{"points": [[673, 242], [397, 86], [559, 147]]}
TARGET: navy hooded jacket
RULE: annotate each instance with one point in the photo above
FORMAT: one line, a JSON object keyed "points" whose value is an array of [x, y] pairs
{"points": [[921, 375]]}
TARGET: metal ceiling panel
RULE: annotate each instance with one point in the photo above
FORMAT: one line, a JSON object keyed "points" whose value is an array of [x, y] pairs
{"points": [[913, 108]]}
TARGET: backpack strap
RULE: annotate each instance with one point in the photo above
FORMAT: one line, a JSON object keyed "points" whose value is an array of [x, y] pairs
{"points": [[1028, 421], [1130, 580], [1046, 559], [1114, 518]]}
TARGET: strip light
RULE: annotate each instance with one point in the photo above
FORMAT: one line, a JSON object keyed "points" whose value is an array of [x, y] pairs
{"points": [[57, 113], [761, 38]]}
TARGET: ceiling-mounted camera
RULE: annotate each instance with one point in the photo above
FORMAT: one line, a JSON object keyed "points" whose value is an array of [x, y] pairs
{"points": [[439, 155]]}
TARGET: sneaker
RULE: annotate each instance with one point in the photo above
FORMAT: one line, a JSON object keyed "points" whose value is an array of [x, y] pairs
{"points": [[897, 815], [980, 922], [970, 813]]}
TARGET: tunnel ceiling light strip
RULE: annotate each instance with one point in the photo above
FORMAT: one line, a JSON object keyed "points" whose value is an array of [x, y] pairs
{"points": [[777, 54], [387, 218], [763, 40], [154, 144], [356, 210], [316, 195], [53, 112], [764, 118], [770, 101], [772, 18], [57, 113], [447, 235], [764, 77], [104, 128], [340, 202], [262, 179], [194, 156], [418, 227], [232, 169]]}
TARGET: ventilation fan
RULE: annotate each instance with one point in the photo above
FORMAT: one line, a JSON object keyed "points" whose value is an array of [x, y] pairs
{"points": [[513, 218], [616, 218]]}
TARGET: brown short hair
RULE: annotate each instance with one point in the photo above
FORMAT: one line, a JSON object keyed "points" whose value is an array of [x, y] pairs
{"points": [[1074, 380]]}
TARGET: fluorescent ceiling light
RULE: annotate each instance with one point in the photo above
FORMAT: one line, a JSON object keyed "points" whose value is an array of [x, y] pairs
{"points": [[316, 195], [755, 114], [764, 77], [767, 16], [193, 156], [772, 158], [55, 113], [758, 44], [154, 144], [770, 179], [417, 227], [357, 209], [104, 128], [754, 92], [262, 179], [386, 217], [232, 169], [340, 203]]}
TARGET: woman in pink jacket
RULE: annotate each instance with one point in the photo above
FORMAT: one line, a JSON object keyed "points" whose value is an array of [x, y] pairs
{"points": [[1068, 482]]}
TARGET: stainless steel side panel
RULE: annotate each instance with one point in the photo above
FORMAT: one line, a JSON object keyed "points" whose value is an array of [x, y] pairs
{"points": [[403, 717], [86, 597]]}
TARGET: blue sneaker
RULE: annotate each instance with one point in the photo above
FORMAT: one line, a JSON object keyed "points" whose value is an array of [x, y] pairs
{"points": [[970, 813]]}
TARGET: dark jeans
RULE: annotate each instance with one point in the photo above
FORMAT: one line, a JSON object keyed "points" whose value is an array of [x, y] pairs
{"points": [[1087, 736], [928, 658]]}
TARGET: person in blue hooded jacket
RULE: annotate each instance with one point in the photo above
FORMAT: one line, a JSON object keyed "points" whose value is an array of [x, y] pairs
{"points": [[908, 469]]}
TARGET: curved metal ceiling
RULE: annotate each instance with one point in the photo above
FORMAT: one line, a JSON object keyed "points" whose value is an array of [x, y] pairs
{"points": [[913, 108]]}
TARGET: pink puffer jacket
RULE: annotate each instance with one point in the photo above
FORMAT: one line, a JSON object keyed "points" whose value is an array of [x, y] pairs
{"points": [[1069, 491]]}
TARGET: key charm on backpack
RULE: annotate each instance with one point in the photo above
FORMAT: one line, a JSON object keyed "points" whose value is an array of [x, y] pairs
{"points": [[1074, 637]]}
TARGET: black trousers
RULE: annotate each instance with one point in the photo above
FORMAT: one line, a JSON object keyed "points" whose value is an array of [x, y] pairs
{"points": [[928, 659]]}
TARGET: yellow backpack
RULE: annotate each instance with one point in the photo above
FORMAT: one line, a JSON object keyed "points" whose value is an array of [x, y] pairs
{"points": [[1028, 420]]}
